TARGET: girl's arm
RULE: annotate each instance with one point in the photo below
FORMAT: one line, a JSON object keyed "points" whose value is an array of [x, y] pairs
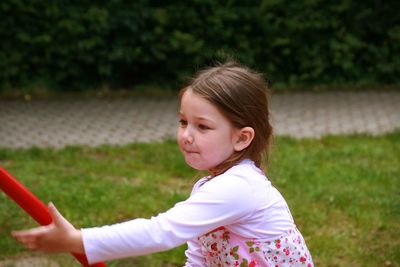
{"points": [[211, 206], [59, 236]]}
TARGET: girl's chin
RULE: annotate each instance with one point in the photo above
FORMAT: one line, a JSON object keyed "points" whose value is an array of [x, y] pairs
{"points": [[195, 164]]}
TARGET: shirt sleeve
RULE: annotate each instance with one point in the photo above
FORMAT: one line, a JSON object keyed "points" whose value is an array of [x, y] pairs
{"points": [[221, 201]]}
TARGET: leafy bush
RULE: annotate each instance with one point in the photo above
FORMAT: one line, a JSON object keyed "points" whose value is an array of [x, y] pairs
{"points": [[61, 44]]}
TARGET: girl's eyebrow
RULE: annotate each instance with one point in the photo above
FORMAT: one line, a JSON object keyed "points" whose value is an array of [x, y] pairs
{"points": [[200, 118]]}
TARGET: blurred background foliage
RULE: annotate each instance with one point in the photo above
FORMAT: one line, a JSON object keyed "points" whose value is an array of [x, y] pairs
{"points": [[121, 44]]}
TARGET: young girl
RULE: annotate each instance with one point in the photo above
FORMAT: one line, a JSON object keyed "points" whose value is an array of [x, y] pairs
{"points": [[233, 217]]}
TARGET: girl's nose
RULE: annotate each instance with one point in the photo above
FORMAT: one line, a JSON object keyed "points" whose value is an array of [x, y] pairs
{"points": [[187, 136], [189, 140]]}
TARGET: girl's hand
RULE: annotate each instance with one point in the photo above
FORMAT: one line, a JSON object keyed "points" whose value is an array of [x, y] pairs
{"points": [[59, 236]]}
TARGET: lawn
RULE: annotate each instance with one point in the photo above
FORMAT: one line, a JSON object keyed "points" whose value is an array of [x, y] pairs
{"points": [[343, 192]]}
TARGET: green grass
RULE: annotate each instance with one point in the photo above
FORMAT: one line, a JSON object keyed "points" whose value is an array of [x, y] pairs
{"points": [[343, 192]]}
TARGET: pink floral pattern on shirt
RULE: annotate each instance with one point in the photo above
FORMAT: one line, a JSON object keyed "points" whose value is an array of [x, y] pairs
{"points": [[223, 248]]}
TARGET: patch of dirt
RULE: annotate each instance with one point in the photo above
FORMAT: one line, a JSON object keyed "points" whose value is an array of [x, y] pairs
{"points": [[28, 262]]}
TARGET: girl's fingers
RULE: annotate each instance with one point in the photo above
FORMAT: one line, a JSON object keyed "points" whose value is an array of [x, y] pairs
{"points": [[30, 238], [54, 213], [27, 240], [58, 220], [34, 232], [31, 245], [59, 236]]}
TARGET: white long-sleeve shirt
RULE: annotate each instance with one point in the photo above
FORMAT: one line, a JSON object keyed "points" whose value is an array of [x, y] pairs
{"points": [[242, 201]]}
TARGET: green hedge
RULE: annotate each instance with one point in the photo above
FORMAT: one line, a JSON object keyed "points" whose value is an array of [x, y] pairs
{"points": [[68, 44]]}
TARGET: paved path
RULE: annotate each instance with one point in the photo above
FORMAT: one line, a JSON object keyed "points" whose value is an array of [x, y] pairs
{"points": [[118, 121]]}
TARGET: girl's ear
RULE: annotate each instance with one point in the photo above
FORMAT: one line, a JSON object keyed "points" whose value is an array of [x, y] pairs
{"points": [[244, 137]]}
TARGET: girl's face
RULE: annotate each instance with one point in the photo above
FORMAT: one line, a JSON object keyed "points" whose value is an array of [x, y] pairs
{"points": [[205, 137]]}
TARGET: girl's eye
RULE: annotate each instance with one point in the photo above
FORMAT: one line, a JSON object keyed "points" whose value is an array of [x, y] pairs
{"points": [[183, 123], [203, 127]]}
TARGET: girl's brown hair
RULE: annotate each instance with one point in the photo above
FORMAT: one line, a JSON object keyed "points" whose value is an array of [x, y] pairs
{"points": [[241, 95]]}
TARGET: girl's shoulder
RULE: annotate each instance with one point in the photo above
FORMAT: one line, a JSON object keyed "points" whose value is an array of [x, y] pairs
{"points": [[248, 171], [200, 182], [243, 174], [245, 166]]}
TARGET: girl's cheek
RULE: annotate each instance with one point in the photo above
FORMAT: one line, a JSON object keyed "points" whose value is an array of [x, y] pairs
{"points": [[179, 134], [180, 139]]}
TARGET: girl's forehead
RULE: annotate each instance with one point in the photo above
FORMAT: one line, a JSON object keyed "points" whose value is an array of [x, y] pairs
{"points": [[194, 99], [197, 106]]}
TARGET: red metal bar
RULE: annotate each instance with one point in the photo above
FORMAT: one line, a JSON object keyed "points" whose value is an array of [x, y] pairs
{"points": [[33, 206]]}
